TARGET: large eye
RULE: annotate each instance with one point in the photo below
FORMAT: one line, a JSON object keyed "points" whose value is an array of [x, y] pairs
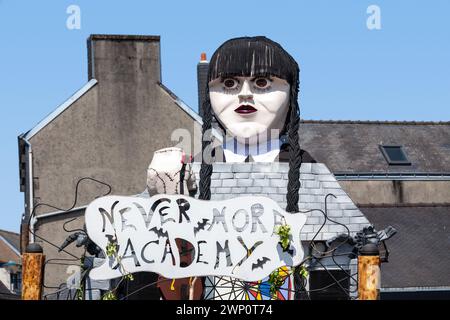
{"points": [[262, 83], [230, 83]]}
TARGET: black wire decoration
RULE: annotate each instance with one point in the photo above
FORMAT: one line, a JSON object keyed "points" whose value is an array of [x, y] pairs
{"points": [[69, 240], [368, 234]]}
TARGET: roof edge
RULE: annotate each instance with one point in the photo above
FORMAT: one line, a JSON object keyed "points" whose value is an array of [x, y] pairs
{"points": [[10, 246], [181, 104], [379, 122], [413, 289], [403, 205], [124, 37], [57, 213], [390, 176], [60, 109]]}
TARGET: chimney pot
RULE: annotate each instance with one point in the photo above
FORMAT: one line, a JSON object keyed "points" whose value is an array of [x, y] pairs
{"points": [[202, 79]]}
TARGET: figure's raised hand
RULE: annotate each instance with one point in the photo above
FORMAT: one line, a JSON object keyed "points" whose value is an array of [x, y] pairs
{"points": [[170, 173]]}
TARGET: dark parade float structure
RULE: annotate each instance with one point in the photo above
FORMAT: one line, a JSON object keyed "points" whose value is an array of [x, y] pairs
{"points": [[247, 207]]}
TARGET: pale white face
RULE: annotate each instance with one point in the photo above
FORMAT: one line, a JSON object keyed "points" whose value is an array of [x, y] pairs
{"points": [[250, 106]]}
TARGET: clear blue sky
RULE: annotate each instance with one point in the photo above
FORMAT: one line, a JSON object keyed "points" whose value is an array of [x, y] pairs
{"points": [[401, 72]]}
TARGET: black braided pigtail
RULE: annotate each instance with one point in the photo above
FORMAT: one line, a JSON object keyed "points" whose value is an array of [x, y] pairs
{"points": [[207, 167], [295, 159]]}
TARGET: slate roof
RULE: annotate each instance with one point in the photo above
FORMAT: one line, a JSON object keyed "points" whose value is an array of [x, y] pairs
{"points": [[231, 180], [9, 246], [12, 238], [420, 251], [5, 294], [353, 146]]}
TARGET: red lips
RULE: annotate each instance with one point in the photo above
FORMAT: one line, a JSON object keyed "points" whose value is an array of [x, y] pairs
{"points": [[245, 109]]}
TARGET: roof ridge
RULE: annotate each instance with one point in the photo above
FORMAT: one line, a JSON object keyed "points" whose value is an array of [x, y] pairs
{"points": [[12, 232], [389, 122]]}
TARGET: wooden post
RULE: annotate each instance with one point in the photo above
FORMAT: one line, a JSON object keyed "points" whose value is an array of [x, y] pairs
{"points": [[369, 273], [32, 272]]}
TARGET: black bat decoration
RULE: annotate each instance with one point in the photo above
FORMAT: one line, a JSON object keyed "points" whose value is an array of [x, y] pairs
{"points": [[201, 226], [260, 263], [159, 232]]}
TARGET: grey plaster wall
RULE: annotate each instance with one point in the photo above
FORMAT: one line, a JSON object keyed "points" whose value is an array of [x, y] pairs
{"points": [[59, 265], [398, 192]]}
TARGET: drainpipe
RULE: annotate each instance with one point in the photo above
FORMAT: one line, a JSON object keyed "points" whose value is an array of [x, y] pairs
{"points": [[25, 232]]}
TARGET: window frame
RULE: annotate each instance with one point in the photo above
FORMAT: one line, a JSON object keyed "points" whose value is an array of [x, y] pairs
{"points": [[406, 162]]}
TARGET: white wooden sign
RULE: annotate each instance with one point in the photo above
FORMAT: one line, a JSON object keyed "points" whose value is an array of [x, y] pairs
{"points": [[232, 237]]}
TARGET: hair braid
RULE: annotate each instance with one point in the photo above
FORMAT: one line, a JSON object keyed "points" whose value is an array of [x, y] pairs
{"points": [[295, 158], [207, 167]]}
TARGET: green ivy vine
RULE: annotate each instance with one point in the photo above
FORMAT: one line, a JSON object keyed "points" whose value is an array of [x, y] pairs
{"points": [[79, 295], [109, 295], [276, 281], [284, 232], [112, 251], [277, 278]]}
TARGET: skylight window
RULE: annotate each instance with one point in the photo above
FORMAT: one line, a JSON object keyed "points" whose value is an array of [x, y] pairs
{"points": [[395, 155]]}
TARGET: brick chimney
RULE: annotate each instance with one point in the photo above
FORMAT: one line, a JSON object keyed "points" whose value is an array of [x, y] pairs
{"points": [[202, 74]]}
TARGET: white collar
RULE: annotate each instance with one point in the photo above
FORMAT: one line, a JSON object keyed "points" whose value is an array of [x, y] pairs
{"points": [[235, 151]]}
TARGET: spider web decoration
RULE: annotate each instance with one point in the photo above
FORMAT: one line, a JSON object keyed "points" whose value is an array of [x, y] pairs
{"points": [[226, 288]]}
